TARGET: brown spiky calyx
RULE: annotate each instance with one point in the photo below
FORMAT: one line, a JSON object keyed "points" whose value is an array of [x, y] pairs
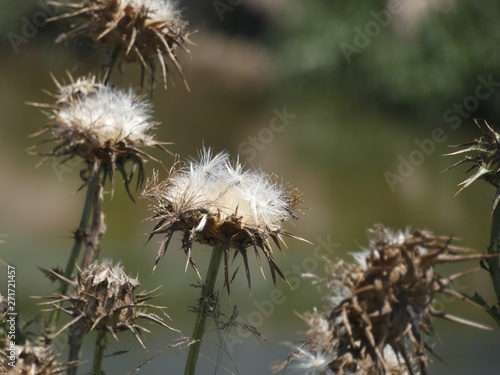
{"points": [[104, 299], [146, 32], [381, 308], [483, 154]]}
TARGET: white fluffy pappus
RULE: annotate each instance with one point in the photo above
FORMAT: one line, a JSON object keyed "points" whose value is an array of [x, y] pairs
{"points": [[218, 186], [314, 362], [110, 115], [159, 10]]}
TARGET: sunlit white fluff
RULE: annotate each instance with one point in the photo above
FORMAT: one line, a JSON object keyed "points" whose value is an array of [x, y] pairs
{"points": [[108, 115], [394, 361], [313, 362], [380, 235], [158, 10], [387, 236], [219, 186]]}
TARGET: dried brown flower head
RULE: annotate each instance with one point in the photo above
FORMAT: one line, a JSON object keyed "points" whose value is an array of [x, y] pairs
{"points": [[213, 202], [381, 310], [144, 31], [320, 354], [105, 127], [32, 358], [104, 299], [484, 154]]}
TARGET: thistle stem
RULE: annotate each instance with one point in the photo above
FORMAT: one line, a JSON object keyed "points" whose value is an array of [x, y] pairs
{"points": [[97, 228], [100, 347], [494, 248], [203, 306], [108, 68], [80, 235], [76, 335]]}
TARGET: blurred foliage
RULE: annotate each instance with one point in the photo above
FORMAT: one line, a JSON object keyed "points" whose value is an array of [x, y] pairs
{"points": [[422, 61]]}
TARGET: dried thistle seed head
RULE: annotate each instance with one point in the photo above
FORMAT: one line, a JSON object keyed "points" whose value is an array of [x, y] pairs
{"points": [[104, 299], [33, 358], [484, 154], [215, 202], [322, 353], [147, 32], [381, 310], [104, 126]]}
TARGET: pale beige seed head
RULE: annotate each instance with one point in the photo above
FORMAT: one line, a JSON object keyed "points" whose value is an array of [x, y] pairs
{"points": [[216, 202]]}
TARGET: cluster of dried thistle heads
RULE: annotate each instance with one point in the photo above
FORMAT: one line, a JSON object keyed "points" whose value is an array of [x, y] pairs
{"points": [[147, 32], [32, 355], [104, 299], [379, 316], [215, 202], [105, 126], [33, 358]]}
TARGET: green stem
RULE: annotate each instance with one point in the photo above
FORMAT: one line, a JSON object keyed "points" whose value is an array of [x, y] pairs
{"points": [[100, 347], [203, 304], [108, 68], [494, 248], [80, 235], [97, 228], [75, 340]]}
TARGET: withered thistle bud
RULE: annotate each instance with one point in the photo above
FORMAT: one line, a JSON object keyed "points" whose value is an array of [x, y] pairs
{"points": [[217, 203], [32, 358], [104, 299], [380, 311], [483, 154], [105, 127], [147, 32]]}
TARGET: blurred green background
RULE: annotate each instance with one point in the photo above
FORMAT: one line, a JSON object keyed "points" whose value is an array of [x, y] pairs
{"points": [[363, 84]]}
